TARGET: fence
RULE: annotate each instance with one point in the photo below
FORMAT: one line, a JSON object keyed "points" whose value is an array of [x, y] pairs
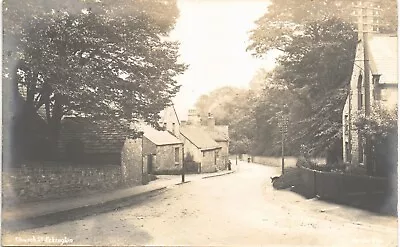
{"points": [[345, 188]]}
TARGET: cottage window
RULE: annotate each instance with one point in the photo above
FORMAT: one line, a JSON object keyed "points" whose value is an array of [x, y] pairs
{"points": [[173, 128], [176, 155]]}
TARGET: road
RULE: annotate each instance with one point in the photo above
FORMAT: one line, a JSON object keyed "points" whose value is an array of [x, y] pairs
{"points": [[240, 209]]}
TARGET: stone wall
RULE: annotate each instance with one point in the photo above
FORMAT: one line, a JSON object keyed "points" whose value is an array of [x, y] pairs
{"points": [[149, 147], [134, 168], [223, 155], [275, 161], [208, 161], [37, 183], [165, 159]]}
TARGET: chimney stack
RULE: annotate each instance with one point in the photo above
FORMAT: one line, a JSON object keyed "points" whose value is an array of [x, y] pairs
{"points": [[193, 117], [210, 121]]}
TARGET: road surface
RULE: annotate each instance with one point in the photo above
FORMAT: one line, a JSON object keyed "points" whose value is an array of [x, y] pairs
{"points": [[239, 209]]}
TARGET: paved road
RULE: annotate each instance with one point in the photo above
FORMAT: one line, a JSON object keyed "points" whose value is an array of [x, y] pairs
{"points": [[240, 209]]}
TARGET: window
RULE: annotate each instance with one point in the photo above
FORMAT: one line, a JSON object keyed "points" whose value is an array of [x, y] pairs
{"points": [[359, 93], [176, 155], [173, 128]]}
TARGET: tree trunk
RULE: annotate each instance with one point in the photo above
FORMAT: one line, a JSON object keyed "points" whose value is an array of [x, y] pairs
{"points": [[55, 123]]}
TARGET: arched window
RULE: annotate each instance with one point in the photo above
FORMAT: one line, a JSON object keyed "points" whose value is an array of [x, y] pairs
{"points": [[359, 93]]}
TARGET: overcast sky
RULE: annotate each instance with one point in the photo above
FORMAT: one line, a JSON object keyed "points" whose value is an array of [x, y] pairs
{"points": [[214, 36]]}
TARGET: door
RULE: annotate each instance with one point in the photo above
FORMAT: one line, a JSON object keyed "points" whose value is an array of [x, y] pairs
{"points": [[150, 164]]}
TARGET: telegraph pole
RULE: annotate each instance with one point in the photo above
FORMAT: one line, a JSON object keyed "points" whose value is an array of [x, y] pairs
{"points": [[283, 126]]}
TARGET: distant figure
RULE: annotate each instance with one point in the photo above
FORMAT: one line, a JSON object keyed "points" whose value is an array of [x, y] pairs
{"points": [[248, 160], [229, 165]]}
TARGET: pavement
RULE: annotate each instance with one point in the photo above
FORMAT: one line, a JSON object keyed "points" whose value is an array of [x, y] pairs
{"points": [[32, 214]]}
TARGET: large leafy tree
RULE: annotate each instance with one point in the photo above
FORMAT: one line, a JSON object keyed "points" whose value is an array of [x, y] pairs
{"points": [[219, 103], [103, 60], [286, 19], [316, 69], [309, 85], [318, 41]]}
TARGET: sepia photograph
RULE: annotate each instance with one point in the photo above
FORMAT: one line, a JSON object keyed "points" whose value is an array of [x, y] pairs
{"points": [[199, 123]]}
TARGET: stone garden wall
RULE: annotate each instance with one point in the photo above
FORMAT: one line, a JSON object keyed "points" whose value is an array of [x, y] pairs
{"points": [[38, 183]]}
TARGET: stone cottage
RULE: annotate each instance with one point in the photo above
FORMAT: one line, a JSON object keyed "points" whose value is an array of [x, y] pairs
{"points": [[162, 150], [203, 149], [376, 88], [86, 143], [219, 133]]}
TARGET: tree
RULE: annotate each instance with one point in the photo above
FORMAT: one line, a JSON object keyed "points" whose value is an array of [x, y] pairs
{"points": [[219, 103], [285, 20], [317, 68], [311, 79], [102, 60]]}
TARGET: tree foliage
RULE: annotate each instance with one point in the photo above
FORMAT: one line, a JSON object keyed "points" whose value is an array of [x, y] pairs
{"points": [[316, 69], [97, 59], [318, 41], [310, 80], [285, 20], [381, 127]]}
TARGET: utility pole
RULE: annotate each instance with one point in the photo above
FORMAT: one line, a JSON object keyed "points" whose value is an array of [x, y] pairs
{"points": [[283, 126]]}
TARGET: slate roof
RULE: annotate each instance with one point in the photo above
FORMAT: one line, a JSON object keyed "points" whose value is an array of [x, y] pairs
{"points": [[218, 132], [158, 137], [199, 137], [383, 57], [97, 137]]}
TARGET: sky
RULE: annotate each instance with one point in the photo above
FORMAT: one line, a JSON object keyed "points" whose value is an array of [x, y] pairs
{"points": [[214, 35]]}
